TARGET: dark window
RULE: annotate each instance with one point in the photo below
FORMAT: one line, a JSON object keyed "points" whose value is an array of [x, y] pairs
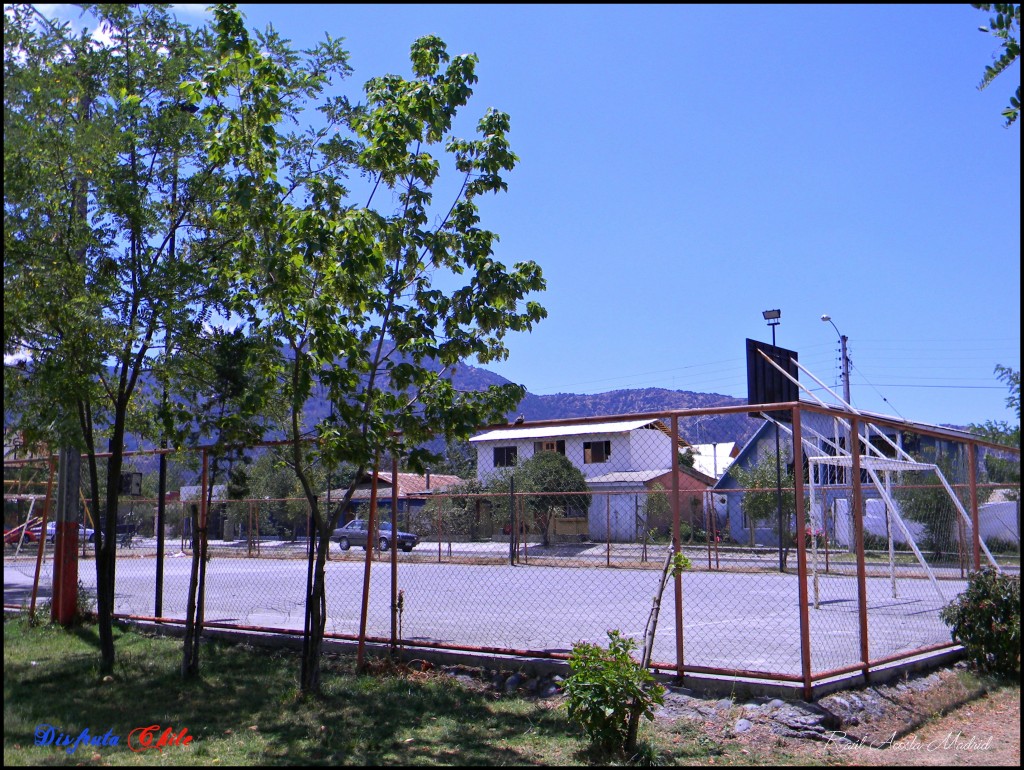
{"points": [[505, 456], [549, 446], [884, 447], [596, 451]]}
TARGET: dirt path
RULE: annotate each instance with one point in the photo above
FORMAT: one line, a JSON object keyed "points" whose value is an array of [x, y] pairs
{"points": [[894, 724], [983, 732]]}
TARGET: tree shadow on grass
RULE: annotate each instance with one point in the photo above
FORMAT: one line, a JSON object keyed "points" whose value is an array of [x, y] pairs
{"points": [[397, 718]]}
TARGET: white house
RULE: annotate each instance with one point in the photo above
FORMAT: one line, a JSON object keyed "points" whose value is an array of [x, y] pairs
{"points": [[713, 459], [609, 454]]}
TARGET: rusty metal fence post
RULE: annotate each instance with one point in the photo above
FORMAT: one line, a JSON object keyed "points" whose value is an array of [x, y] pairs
{"points": [[972, 464], [42, 538], [801, 553], [857, 505], [371, 529], [677, 580], [394, 555]]}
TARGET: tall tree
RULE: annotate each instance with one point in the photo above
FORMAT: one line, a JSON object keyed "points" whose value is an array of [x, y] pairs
{"points": [[1004, 25], [110, 257], [376, 299], [110, 183]]}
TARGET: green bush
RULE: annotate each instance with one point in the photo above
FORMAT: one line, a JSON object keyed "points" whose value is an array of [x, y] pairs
{"points": [[985, 619], [603, 686]]}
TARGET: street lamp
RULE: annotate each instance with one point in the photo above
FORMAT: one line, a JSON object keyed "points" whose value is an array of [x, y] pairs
{"points": [[772, 317], [845, 358]]}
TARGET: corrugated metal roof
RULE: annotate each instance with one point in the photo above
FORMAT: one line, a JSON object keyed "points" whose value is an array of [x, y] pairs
{"points": [[628, 476], [409, 485], [550, 431]]}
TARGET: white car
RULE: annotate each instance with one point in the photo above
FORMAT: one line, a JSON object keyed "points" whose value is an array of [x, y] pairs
{"points": [[84, 533]]}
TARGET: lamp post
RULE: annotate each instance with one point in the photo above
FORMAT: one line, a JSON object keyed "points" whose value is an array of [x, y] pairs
{"points": [[772, 317], [845, 358]]}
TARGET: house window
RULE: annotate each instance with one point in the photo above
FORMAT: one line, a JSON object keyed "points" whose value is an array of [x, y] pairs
{"points": [[505, 456], [596, 451], [549, 446]]}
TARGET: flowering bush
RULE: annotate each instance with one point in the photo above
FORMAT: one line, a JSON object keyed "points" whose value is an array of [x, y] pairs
{"points": [[814, 535]]}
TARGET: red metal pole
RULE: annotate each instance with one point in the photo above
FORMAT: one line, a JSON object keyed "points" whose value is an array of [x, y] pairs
{"points": [[394, 555], [608, 530], [972, 469], [526, 532], [42, 537], [707, 527], [65, 553], [801, 553], [677, 579], [858, 536], [371, 534]]}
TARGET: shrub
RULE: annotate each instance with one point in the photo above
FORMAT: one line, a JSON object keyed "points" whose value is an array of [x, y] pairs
{"points": [[985, 619], [602, 688]]}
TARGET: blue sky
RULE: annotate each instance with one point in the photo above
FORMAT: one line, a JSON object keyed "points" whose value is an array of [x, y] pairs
{"points": [[684, 168]]}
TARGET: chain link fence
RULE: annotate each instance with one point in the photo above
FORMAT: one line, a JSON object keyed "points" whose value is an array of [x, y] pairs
{"points": [[807, 560]]}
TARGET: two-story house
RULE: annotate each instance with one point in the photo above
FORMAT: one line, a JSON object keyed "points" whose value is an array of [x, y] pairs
{"points": [[623, 462]]}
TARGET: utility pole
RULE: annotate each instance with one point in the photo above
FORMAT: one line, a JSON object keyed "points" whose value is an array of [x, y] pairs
{"points": [[845, 357]]}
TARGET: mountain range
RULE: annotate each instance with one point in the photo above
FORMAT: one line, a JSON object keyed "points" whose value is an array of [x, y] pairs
{"points": [[697, 430]]}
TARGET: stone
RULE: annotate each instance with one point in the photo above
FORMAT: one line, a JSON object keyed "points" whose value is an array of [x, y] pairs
{"points": [[742, 725], [548, 689]]}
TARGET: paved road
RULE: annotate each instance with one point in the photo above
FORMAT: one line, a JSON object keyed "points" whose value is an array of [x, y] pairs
{"points": [[731, 620]]}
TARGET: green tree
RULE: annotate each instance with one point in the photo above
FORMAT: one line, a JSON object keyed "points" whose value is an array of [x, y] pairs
{"points": [[555, 487], [234, 392], [1004, 25], [107, 187], [760, 502], [656, 507], [458, 459], [923, 498], [1003, 470], [374, 302]]}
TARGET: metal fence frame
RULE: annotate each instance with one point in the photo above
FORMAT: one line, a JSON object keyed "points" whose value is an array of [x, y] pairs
{"points": [[519, 553]]}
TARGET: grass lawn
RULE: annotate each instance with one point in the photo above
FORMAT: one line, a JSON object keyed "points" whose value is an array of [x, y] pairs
{"points": [[245, 709]]}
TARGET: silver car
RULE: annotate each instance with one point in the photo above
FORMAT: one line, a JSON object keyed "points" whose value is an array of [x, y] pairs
{"points": [[355, 533]]}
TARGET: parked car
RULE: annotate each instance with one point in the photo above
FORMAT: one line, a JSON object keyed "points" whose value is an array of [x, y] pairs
{"points": [[12, 536], [355, 533], [84, 533]]}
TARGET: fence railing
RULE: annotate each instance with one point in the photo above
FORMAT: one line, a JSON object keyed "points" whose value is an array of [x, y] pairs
{"points": [[802, 567]]}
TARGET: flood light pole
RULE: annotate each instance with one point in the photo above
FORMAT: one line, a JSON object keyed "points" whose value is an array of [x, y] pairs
{"points": [[772, 317]]}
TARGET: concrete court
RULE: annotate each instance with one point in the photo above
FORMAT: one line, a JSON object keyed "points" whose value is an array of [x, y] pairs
{"points": [[731, 620]]}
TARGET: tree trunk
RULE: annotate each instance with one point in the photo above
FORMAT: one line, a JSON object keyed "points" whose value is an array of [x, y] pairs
{"points": [[633, 727], [316, 612], [106, 548]]}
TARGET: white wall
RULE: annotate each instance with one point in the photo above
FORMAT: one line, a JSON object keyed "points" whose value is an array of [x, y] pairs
{"points": [[999, 520], [615, 513], [649, 450], [621, 458]]}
